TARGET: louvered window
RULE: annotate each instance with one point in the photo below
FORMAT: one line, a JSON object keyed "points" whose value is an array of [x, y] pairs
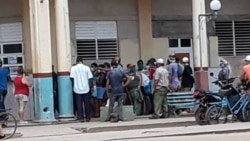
{"points": [[11, 46], [234, 37], [96, 40]]}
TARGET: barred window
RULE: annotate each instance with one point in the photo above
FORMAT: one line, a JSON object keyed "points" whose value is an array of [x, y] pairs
{"points": [[233, 37]]}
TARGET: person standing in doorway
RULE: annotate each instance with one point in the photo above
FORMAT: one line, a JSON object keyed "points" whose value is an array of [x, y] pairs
{"points": [[115, 81], [187, 76], [4, 77], [159, 90], [21, 92], [81, 76], [174, 83]]}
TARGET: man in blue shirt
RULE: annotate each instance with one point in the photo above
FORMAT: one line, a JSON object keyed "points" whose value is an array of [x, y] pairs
{"points": [[115, 86], [4, 75]]}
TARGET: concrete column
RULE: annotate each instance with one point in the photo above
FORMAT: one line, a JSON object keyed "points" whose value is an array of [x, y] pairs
{"points": [[26, 36], [63, 58], [199, 8], [145, 29], [41, 59]]}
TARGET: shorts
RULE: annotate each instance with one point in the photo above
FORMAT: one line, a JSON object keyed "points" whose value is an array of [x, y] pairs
{"points": [[22, 97]]}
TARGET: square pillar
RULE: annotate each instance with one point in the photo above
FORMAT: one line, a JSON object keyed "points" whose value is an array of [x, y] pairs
{"points": [[41, 59], [145, 29]]}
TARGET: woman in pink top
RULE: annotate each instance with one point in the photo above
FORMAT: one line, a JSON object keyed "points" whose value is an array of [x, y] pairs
{"points": [[21, 92]]}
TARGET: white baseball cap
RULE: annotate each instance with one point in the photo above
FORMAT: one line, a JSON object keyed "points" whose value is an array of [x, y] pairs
{"points": [[160, 61], [185, 59], [247, 58]]}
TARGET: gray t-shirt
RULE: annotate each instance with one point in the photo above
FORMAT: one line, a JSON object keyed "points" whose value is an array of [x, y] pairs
{"points": [[161, 74], [116, 77]]}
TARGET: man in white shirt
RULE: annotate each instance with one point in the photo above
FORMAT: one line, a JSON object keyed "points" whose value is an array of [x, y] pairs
{"points": [[81, 76]]}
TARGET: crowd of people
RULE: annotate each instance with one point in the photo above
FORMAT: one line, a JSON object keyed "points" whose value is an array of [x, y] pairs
{"points": [[142, 85]]}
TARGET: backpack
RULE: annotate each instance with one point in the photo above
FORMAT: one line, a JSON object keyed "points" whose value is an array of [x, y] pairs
{"points": [[179, 70]]}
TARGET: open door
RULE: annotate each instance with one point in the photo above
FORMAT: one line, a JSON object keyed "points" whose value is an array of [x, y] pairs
{"points": [[182, 55]]}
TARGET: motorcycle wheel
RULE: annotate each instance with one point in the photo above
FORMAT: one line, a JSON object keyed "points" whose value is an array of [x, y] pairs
{"points": [[200, 116], [214, 117]]}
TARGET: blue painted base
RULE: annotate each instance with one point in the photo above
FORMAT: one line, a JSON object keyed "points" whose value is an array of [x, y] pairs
{"points": [[43, 99], [65, 97]]}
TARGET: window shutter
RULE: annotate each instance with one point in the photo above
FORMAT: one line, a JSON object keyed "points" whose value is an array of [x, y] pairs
{"points": [[11, 32], [242, 38], [224, 31], [96, 40], [107, 40]]}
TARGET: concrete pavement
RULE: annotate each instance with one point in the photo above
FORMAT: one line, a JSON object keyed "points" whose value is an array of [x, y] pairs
{"points": [[210, 137], [69, 132]]}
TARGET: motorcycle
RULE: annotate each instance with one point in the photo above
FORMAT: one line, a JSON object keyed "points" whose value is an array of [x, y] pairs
{"points": [[202, 100]]}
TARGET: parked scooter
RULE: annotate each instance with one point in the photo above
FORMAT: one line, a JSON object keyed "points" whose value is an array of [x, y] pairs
{"points": [[202, 100]]}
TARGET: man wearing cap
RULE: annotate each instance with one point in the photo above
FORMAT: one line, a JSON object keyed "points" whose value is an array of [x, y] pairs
{"points": [[245, 74], [4, 77], [134, 89], [159, 90], [115, 82]]}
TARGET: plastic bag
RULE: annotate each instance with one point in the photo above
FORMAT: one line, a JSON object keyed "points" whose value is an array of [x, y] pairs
{"points": [[94, 93], [107, 104]]}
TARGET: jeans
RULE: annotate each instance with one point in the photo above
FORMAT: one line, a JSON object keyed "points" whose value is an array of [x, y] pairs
{"points": [[3, 94], [113, 99], [83, 100]]}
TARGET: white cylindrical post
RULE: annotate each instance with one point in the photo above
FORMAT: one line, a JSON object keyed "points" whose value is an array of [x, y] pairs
{"points": [[200, 34], [63, 58]]}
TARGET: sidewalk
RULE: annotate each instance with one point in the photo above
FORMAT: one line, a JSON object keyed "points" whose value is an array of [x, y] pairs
{"points": [[67, 132], [96, 126]]}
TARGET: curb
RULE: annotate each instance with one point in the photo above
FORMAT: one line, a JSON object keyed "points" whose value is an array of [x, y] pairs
{"points": [[135, 127]]}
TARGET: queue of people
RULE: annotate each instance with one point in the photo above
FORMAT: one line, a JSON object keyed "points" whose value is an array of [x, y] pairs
{"points": [[143, 86]]}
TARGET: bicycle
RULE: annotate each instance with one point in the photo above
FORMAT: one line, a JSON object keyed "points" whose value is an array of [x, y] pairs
{"points": [[234, 103], [8, 122]]}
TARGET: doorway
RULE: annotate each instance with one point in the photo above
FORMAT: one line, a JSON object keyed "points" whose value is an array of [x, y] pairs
{"points": [[182, 48]]}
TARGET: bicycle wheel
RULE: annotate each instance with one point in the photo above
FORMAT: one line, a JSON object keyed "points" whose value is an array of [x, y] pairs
{"points": [[244, 115], [9, 125], [214, 115]]}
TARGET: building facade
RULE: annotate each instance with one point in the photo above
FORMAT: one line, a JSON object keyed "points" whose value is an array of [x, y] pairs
{"points": [[39, 33]]}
